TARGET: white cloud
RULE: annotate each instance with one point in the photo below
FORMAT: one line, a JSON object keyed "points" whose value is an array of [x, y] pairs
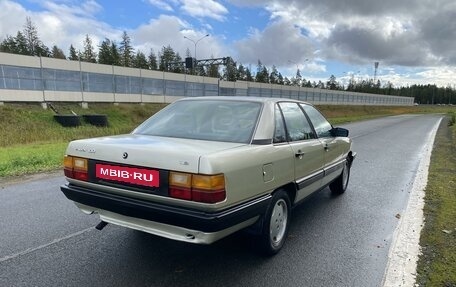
{"points": [[170, 30], [303, 17], [278, 44], [246, 3], [404, 33], [161, 5], [86, 9], [164, 31], [58, 24], [443, 76], [207, 8], [91, 7], [12, 17]]}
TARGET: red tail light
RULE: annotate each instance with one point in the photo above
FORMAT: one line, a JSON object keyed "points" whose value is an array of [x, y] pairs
{"points": [[76, 167], [196, 187], [181, 193]]}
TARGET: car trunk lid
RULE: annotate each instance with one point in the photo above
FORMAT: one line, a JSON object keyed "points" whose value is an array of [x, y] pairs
{"points": [[148, 151]]}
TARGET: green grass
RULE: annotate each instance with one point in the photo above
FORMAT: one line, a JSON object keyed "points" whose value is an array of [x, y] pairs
{"points": [[437, 264], [26, 124], [32, 158], [32, 141]]}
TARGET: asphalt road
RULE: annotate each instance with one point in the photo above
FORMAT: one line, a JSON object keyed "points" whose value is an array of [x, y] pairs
{"points": [[333, 241]]}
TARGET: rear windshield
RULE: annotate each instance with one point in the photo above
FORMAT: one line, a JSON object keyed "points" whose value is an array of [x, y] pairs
{"points": [[213, 120]]}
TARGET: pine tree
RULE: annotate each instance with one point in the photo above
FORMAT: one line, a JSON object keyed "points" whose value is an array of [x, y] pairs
{"points": [[126, 51], [230, 71], [115, 54], [105, 53], [34, 45], [274, 76], [43, 51], [213, 71], [166, 56], [108, 53], [140, 61], [57, 53], [280, 79], [332, 83], [241, 73], [9, 45], [258, 76], [248, 75], [89, 54], [21, 44], [262, 75], [178, 66], [73, 54], [31, 36], [152, 60]]}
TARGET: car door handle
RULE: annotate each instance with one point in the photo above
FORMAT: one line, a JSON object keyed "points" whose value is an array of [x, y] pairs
{"points": [[326, 147], [299, 154]]}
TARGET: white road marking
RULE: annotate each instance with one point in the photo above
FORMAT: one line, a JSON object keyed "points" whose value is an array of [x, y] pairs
{"points": [[30, 250], [405, 247]]}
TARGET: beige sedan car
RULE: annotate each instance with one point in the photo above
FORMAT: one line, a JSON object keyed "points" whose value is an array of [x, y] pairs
{"points": [[203, 168]]}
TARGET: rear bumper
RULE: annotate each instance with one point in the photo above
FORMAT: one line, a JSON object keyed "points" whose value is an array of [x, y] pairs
{"points": [[119, 209]]}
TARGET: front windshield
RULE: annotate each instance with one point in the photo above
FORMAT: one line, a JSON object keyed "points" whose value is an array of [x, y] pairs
{"points": [[213, 120]]}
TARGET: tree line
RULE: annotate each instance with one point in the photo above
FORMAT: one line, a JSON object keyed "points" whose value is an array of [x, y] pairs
{"points": [[122, 53]]}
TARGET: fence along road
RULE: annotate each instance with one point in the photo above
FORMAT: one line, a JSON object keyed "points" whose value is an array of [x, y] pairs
{"points": [[40, 79]]}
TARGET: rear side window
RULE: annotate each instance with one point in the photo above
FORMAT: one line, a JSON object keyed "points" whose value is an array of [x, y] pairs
{"points": [[297, 125], [321, 125]]}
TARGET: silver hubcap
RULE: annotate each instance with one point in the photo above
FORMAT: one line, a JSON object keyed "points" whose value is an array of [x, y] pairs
{"points": [[278, 222]]}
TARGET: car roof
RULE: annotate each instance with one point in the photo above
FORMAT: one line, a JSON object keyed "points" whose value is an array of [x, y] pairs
{"points": [[243, 98]]}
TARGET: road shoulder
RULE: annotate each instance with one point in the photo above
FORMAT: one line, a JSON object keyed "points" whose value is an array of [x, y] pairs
{"points": [[405, 248]]}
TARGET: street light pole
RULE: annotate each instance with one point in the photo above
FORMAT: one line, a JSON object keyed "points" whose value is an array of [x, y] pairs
{"points": [[297, 65], [196, 42]]}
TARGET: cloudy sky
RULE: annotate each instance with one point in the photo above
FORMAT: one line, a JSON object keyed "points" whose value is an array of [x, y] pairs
{"points": [[414, 41]]}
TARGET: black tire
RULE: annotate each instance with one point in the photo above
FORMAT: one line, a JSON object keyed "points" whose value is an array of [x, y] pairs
{"points": [[96, 120], [68, 120], [275, 223], [339, 185]]}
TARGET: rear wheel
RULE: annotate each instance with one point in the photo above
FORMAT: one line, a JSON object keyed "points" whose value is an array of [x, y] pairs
{"points": [[275, 224], [339, 185]]}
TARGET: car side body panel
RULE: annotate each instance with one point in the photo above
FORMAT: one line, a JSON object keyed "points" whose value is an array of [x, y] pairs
{"points": [[244, 170], [309, 159]]}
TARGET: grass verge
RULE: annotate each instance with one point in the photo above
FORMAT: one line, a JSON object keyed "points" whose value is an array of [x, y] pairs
{"points": [[31, 141], [28, 124], [437, 264], [32, 158]]}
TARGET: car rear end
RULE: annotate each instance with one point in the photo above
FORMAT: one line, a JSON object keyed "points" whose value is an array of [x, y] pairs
{"points": [[150, 180]]}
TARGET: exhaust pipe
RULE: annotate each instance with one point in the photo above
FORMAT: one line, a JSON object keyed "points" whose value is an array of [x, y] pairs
{"points": [[101, 225]]}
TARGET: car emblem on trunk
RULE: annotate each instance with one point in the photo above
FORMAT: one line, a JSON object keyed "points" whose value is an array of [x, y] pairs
{"points": [[125, 155]]}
